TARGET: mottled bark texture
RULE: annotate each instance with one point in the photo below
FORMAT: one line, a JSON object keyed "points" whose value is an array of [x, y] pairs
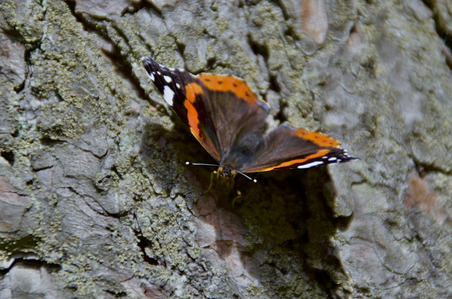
{"points": [[95, 197]]}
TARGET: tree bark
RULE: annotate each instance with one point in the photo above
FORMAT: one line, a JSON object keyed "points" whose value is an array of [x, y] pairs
{"points": [[96, 200]]}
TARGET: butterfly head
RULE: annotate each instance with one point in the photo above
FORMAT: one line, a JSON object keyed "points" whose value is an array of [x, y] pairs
{"points": [[226, 172]]}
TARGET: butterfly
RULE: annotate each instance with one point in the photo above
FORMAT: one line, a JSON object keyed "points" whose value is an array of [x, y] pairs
{"points": [[229, 121]]}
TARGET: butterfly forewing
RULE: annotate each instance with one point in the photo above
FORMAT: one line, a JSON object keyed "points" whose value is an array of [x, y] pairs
{"points": [[288, 147], [186, 95]]}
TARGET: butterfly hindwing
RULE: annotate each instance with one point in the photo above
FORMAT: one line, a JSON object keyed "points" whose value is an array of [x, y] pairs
{"points": [[238, 116]]}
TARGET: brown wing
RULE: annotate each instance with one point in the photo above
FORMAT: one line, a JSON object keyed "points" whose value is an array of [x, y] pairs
{"points": [[238, 116], [289, 147], [185, 94], [221, 111]]}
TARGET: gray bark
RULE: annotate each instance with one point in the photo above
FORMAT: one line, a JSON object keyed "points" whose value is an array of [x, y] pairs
{"points": [[95, 197]]}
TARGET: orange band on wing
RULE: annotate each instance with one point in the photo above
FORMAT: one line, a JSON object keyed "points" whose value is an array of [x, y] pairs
{"points": [[316, 138], [290, 163], [228, 83], [191, 90], [193, 120]]}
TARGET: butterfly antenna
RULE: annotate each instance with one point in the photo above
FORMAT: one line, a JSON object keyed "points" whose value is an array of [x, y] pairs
{"points": [[215, 165], [247, 176], [200, 164]]}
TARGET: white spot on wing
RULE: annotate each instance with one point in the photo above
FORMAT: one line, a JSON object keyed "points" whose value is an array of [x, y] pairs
{"points": [[332, 159], [152, 76], [168, 95], [177, 85], [309, 165], [167, 79], [158, 72]]}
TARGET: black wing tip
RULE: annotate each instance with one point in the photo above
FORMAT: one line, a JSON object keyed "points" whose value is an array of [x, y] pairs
{"points": [[147, 59], [348, 159], [346, 156], [149, 64], [342, 157]]}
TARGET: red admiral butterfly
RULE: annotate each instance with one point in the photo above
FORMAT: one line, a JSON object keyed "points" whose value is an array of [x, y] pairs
{"points": [[227, 118]]}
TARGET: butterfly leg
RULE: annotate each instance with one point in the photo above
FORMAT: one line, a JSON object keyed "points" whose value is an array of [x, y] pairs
{"points": [[214, 173], [209, 188], [239, 194], [230, 183]]}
